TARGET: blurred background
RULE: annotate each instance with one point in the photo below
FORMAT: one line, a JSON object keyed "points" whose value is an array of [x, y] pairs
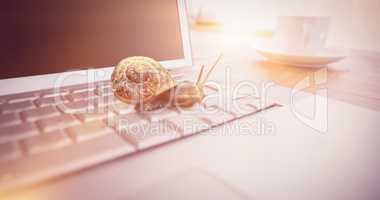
{"points": [[355, 23]]}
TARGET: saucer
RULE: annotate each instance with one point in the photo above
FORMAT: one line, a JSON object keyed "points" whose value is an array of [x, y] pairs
{"points": [[320, 59]]}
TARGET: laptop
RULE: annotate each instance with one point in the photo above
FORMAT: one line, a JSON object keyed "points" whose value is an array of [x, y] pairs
{"points": [[63, 134]]}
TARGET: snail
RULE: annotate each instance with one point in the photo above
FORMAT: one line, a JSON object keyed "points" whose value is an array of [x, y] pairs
{"points": [[183, 94], [139, 78]]}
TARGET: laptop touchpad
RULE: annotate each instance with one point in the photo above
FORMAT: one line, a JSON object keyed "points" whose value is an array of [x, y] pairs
{"points": [[192, 184]]}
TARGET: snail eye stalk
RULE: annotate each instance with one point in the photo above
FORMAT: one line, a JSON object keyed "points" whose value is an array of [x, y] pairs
{"points": [[200, 75], [209, 72]]}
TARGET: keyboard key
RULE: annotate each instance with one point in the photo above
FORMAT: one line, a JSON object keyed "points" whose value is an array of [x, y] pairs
{"points": [[240, 106], [51, 101], [82, 95], [76, 107], [121, 121], [46, 142], [16, 107], [102, 101], [227, 100], [187, 124], [94, 116], [104, 91], [15, 98], [57, 122], [90, 89], [161, 114], [103, 84], [39, 113], [148, 135], [89, 130], [9, 151], [82, 88], [16, 132], [54, 93], [123, 108], [9, 119], [70, 158], [105, 110]]}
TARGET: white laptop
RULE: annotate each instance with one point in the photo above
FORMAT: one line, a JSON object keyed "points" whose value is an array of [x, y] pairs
{"points": [[63, 134]]}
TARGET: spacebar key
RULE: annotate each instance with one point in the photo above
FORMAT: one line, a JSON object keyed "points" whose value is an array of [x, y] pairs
{"points": [[42, 166]]}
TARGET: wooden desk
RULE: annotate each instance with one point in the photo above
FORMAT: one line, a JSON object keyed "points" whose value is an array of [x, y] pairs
{"points": [[355, 80]]}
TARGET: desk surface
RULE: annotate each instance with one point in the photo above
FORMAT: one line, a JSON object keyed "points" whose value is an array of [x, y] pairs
{"points": [[355, 80]]}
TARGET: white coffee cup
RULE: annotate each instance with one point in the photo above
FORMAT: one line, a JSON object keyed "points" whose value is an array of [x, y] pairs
{"points": [[302, 34]]}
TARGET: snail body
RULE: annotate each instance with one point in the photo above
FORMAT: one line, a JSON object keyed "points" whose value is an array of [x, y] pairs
{"points": [[184, 94]]}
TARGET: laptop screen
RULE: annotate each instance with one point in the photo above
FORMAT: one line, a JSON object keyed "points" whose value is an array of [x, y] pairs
{"points": [[45, 36]]}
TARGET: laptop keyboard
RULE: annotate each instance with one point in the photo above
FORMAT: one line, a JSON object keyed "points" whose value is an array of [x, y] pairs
{"points": [[52, 132]]}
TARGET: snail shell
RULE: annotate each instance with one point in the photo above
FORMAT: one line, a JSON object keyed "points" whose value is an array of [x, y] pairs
{"points": [[137, 79]]}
